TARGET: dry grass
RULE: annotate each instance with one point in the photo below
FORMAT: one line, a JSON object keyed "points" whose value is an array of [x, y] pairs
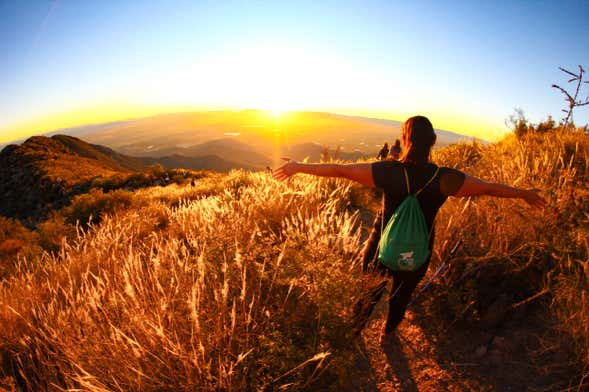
{"points": [[530, 255], [243, 283], [233, 291]]}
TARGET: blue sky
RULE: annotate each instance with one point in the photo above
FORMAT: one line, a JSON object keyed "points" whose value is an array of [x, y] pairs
{"points": [[466, 65]]}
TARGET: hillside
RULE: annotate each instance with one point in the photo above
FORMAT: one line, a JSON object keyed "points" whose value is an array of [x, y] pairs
{"points": [[314, 153], [200, 162], [244, 283], [41, 173], [44, 173]]}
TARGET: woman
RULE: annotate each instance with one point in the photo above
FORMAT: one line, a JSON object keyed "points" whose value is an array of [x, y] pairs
{"points": [[395, 151], [418, 138]]}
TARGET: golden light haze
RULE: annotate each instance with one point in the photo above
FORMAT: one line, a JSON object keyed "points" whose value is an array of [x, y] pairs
{"points": [[120, 111], [98, 114]]}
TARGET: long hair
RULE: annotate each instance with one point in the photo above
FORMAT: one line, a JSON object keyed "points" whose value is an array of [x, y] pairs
{"points": [[418, 139]]}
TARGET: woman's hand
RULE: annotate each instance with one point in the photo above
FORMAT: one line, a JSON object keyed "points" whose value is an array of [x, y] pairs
{"points": [[533, 198], [286, 170]]}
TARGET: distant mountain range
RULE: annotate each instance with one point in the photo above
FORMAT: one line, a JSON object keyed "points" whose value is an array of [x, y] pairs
{"points": [[250, 139]]}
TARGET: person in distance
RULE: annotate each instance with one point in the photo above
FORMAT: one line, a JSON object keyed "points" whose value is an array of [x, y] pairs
{"points": [[395, 151], [384, 151]]}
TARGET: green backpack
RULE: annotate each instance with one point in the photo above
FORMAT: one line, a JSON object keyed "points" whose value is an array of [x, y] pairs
{"points": [[404, 243]]}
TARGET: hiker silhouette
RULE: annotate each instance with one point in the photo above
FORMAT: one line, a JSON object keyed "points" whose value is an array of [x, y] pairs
{"points": [[418, 138], [384, 151], [395, 151]]}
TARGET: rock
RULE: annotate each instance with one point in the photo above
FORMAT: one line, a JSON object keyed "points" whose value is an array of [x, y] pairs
{"points": [[496, 357], [496, 312], [501, 344], [561, 357], [480, 351], [520, 313], [486, 337]]}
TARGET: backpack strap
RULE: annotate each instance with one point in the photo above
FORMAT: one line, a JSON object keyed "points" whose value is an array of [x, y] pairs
{"points": [[427, 183], [407, 180]]}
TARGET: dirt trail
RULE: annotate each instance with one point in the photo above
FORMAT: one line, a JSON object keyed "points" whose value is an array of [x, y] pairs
{"points": [[429, 352], [426, 355]]}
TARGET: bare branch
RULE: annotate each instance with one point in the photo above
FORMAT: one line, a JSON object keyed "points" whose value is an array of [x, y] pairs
{"points": [[572, 99], [569, 72], [562, 90]]}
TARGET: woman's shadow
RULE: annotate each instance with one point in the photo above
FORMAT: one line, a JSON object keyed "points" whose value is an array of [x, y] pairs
{"points": [[398, 363]]}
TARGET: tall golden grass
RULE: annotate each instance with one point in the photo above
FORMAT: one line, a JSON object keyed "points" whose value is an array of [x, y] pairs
{"points": [[539, 256], [237, 287], [244, 283]]}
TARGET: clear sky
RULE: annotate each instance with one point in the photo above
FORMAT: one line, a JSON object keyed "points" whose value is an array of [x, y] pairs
{"points": [[465, 64]]}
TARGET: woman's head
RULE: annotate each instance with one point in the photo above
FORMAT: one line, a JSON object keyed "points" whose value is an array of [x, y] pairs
{"points": [[418, 139]]}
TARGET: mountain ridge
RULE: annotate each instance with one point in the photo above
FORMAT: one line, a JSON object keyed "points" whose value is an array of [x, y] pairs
{"points": [[168, 129]]}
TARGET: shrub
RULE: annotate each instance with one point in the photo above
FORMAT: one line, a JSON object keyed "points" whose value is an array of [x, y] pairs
{"points": [[92, 206], [53, 232], [12, 228], [11, 247], [156, 171], [511, 250], [16, 241]]}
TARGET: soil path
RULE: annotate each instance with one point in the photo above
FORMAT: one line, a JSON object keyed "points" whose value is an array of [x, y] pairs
{"points": [[430, 352], [426, 354]]}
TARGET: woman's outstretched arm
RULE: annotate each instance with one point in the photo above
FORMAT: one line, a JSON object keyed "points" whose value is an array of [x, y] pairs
{"points": [[359, 172], [474, 186]]}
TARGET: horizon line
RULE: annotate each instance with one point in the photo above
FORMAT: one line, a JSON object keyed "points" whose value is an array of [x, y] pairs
{"points": [[345, 113]]}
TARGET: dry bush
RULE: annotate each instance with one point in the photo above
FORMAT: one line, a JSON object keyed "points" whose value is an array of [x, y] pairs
{"points": [[92, 206], [53, 232], [16, 242], [513, 252]]}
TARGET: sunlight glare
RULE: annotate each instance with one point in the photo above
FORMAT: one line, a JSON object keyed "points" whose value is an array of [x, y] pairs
{"points": [[271, 77], [276, 111]]}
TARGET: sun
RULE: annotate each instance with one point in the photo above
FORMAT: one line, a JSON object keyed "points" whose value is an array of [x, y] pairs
{"points": [[276, 110]]}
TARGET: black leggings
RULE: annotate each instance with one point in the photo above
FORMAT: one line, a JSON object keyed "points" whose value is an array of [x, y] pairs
{"points": [[404, 282]]}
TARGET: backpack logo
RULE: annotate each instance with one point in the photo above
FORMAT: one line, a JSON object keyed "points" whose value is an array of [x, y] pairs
{"points": [[406, 260]]}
